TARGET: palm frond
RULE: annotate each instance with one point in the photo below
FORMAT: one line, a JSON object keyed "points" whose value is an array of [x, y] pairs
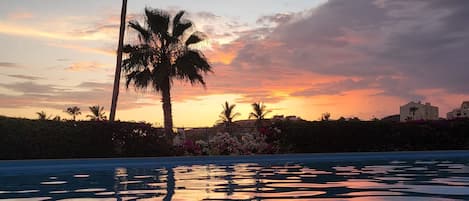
{"points": [[139, 56], [194, 38], [141, 78], [190, 67], [180, 28], [144, 34], [158, 22], [177, 18], [259, 111], [227, 114], [97, 113]]}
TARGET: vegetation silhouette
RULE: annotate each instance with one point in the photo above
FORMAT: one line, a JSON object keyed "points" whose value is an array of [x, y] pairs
{"points": [[73, 111], [325, 116], [164, 52], [117, 74], [42, 115], [228, 114], [97, 113], [259, 112], [57, 118], [33, 139]]}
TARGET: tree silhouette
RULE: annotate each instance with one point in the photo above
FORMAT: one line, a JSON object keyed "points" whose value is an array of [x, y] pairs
{"points": [[325, 116], [42, 115], [97, 113], [73, 111], [117, 74], [259, 113], [164, 52], [57, 118], [227, 115]]}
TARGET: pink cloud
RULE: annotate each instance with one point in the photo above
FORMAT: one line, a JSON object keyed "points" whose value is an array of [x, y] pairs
{"points": [[85, 66], [20, 15]]}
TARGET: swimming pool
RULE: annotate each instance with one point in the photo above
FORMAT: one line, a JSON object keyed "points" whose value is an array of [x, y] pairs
{"points": [[442, 175]]}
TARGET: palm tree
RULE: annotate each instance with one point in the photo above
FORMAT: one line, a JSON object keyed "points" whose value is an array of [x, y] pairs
{"points": [[164, 53], [227, 115], [73, 111], [42, 115], [57, 118], [259, 112], [117, 76], [97, 113]]}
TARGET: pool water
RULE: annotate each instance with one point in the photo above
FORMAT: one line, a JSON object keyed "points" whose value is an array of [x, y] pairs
{"points": [[433, 176]]}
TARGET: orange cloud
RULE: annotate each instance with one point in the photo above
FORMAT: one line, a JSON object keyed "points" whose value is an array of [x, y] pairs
{"points": [[28, 31], [84, 49], [222, 57], [223, 54]]}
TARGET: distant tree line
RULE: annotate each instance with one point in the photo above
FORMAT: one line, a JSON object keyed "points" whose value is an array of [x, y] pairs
{"points": [[97, 114]]}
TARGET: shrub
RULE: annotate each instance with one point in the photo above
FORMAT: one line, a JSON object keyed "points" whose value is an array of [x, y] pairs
{"points": [[33, 139], [353, 136]]}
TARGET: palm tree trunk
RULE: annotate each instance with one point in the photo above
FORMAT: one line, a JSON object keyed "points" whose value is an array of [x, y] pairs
{"points": [[115, 91], [167, 112], [170, 184]]}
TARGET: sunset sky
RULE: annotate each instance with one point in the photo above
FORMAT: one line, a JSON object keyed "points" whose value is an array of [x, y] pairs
{"points": [[360, 58]]}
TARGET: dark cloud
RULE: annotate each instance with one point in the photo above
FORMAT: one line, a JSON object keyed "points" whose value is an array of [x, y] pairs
{"points": [[31, 88], [53, 96], [259, 96], [278, 18], [346, 85], [334, 88], [8, 65], [205, 15], [424, 43], [25, 77]]}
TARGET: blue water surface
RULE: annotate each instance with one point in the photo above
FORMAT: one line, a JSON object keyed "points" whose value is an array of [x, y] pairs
{"points": [[433, 176]]}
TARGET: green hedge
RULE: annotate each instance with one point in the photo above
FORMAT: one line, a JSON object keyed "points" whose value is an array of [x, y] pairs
{"points": [[33, 139], [354, 136]]}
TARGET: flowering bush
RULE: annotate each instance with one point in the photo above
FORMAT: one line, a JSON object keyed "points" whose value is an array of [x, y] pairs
{"points": [[224, 144], [264, 140], [203, 147]]}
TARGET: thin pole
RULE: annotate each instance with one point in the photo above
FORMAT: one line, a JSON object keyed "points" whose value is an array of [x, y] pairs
{"points": [[115, 92]]}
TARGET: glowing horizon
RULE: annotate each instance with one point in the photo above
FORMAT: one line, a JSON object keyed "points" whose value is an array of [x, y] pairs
{"points": [[302, 58]]}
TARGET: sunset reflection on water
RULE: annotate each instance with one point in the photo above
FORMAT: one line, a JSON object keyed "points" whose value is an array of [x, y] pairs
{"points": [[390, 180]]}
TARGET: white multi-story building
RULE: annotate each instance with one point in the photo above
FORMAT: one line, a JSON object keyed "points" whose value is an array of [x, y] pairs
{"points": [[462, 112], [417, 111]]}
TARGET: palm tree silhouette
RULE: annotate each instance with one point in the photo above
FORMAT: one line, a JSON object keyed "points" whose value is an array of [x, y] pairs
{"points": [[259, 113], [164, 53], [73, 111], [117, 74], [227, 115], [97, 113], [57, 118], [42, 115]]}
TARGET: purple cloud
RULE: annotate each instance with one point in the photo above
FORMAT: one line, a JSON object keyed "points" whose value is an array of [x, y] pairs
{"points": [[415, 45]]}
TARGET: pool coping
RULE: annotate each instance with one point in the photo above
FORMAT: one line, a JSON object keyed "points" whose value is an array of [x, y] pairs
{"points": [[47, 165]]}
